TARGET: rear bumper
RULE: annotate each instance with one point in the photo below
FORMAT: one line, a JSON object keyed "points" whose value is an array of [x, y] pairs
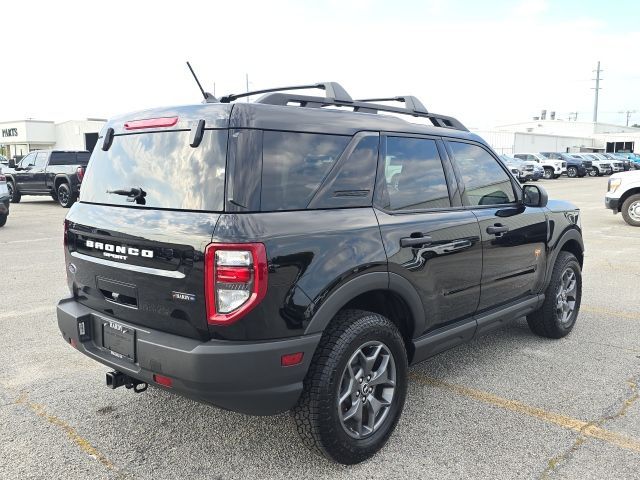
{"points": [[612, 204], [240, 376]]}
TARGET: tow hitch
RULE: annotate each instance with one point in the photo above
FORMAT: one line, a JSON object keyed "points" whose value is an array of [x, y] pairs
{"points": [[118, 379]]}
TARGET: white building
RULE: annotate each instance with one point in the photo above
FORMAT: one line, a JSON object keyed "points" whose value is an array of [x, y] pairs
{"points": [[562, 136], [23, 136]]}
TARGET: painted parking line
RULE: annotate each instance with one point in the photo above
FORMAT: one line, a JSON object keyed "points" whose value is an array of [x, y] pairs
{"points": [[587, 429], [613, 313]]}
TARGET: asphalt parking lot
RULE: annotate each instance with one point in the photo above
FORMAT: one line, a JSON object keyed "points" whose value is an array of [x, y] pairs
{"points": [[508, 405]]}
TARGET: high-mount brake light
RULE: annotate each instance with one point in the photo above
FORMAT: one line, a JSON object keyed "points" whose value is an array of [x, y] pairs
{"points": [[162, 122], [235, 280]]}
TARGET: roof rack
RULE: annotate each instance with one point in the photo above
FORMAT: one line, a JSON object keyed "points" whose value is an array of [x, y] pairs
{"points": [[334, 90], [413, 107]]}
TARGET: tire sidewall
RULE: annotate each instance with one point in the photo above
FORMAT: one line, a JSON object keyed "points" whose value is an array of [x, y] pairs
{"points": [[361, 449], [572, 172], [61, 187], [625, 210], [569, 261], [594, 172]]}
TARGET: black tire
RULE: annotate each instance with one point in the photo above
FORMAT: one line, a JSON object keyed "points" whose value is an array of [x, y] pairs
{"points": [[3, 220], [572, 172], [594, 172], [547, 321], [66, 197], [631, 210], [548, 173], [319, 415], [14, 195], [556, 176]]}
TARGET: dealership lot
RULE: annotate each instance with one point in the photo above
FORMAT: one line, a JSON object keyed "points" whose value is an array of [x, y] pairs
{"points": [[507, 405]]}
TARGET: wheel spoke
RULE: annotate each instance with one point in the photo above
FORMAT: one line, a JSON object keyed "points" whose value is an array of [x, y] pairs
{"points": [[354, 412]]}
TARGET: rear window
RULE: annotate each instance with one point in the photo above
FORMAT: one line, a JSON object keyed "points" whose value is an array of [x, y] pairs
{"points": [[170, 172], [294, 165], [69, 158]]}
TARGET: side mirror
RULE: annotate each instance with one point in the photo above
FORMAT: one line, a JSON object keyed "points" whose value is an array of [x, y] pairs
{"points": [[12, 163], [534, 196]]}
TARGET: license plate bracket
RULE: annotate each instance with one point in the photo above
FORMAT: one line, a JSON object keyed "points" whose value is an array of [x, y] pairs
{"points": [[120, 340]]}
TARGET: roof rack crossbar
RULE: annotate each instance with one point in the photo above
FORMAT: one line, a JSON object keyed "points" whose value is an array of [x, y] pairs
{"points": [[360, 106], [410, 102], [334, 90]]}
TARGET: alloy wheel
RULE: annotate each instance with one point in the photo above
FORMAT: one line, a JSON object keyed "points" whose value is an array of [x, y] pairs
{"points": [[63, 196], [566, 296], [367, 389], [572, 172], [634, 211]]}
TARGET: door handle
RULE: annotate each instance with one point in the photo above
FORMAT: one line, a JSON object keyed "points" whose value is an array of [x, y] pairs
{"points": [[415, 241], [497, 229]]}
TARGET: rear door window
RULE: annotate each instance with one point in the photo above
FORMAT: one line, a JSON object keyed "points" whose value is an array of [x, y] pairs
{"points": [[294, 165], [170, 172], [414, 176]]}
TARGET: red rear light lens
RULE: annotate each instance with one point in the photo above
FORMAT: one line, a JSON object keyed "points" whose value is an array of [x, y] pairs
{"points": [[235, 280], [291, 359], [3, 178], [162, 122], [80, 173], [162, 380]]}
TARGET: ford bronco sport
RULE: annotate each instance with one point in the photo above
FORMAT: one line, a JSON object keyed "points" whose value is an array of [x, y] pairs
{"points": [[300, 252]]}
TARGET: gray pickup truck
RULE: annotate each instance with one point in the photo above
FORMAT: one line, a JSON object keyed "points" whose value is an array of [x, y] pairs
{"points": [[48, 172]]}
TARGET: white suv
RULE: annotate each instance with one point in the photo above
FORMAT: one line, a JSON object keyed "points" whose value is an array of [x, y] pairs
{"points": [[552, 168], [623, 195]]}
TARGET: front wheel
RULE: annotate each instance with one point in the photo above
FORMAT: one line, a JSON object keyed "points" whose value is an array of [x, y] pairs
{"points": [[14, 195], [594, 172], [559, 311], [3, 220], [572, 172], [548, 173], [355, 389], [631, 210]]}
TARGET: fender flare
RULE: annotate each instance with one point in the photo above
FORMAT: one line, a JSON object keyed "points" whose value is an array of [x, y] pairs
{"points": [[65, 178], [367, 283], [571, 234]]}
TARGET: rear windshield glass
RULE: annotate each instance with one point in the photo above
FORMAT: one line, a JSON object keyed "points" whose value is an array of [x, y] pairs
{"points": [[69, 158], [164, 167]]}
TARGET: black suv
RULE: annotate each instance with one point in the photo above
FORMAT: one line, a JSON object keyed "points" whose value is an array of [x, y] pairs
{"points": [[300, 252]]}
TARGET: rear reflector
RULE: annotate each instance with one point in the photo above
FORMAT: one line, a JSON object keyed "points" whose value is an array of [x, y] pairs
{"points": [[291, 359], [162, 122], [162, 380]]}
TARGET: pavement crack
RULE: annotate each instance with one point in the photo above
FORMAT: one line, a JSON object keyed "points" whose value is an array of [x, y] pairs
{"points": [[592, 429]]}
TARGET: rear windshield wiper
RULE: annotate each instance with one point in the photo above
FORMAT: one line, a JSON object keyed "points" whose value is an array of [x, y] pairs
{"points": [[133, 195]]}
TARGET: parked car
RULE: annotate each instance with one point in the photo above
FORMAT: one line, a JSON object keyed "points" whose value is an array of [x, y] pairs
{"points": [[4, 199], [274, 261], [552, 168], [599, 167], [623, 196], [632, 158], [617, 165], [517, 168], [575, 167], [532, 169], [619, 158], [4, 161], [48, 172]]}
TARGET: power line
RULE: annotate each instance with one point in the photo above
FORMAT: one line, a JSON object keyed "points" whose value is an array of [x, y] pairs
{"points": [[628, 113], [597, 89]]}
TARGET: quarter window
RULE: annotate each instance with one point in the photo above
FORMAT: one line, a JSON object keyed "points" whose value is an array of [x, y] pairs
{"points": [[414, 175], [485, 181]]}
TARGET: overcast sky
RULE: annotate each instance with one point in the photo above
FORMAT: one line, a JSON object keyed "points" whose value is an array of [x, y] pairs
{"points": [[485, 62]]}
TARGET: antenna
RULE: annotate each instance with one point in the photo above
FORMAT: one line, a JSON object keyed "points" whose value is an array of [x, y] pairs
{"points": [[208, 98]]}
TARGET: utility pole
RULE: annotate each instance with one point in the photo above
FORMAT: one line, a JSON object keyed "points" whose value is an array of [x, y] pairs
{"points": [[573, 115], [628, 113], [597, 89]]}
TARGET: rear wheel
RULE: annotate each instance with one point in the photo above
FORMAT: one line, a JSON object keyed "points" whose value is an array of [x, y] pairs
{"points": [[355, 389], [556, 176], [65, 197], [572, 172], [557, 316], [631, 210], [14, 195], [548, 173], [594, 172], [3, 220]]}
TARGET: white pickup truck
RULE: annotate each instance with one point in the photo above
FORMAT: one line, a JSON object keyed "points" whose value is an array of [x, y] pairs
{"points": [[623, 195], [552, 168]]}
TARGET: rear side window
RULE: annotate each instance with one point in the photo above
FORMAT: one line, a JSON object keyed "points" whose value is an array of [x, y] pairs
{"points": [[414, 175], [170, 172], [65, 158], [486, 182], [294, 165]]}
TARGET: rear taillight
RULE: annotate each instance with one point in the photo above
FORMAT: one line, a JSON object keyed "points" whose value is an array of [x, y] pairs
{"points": [[80, 173], [3, 178], [235, 280]]}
